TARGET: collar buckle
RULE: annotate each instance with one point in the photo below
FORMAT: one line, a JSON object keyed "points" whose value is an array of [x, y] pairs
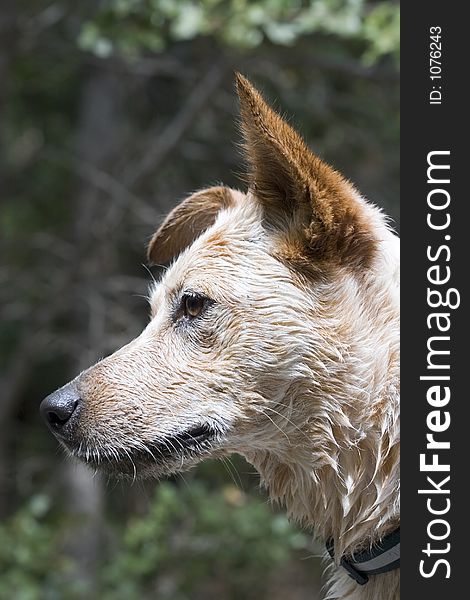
{"points": [[360, 578]]}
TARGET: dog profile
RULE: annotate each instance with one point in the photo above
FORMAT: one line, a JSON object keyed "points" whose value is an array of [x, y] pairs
{"points": [[274, 334]]}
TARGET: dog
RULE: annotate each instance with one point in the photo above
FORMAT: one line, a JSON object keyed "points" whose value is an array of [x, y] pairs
{"points": [[274, 334]]}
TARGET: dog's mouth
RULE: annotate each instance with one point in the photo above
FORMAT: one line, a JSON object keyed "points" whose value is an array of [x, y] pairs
{"points": [[168, 454], [196, 439]]}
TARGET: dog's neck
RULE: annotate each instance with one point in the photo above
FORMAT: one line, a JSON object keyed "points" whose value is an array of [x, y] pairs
{"points": [[347, 492], [336, 468]]}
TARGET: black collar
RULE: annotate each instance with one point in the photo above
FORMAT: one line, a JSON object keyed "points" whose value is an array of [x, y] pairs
{"points": [[382, 557]]}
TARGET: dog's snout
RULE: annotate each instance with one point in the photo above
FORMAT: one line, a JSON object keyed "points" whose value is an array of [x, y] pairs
{"points": [[60, 410]]}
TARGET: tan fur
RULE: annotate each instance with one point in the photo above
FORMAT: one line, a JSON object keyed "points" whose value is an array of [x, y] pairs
{"points": [[186, 222], [294, 361], [288, 176]]}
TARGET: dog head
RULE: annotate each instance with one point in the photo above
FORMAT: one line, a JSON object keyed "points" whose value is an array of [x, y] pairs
{"points": [[276, 303]]}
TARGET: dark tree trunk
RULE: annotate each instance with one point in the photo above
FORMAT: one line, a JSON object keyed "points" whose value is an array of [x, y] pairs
{"points": [[97, 136]]}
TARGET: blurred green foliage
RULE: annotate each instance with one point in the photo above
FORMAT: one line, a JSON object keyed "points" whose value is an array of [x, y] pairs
{"points": [[189, 539], [223, 536], [130, 26], [31, 564]]}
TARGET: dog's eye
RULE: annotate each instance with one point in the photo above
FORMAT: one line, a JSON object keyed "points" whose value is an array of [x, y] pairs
{"points": [[192, 305]]}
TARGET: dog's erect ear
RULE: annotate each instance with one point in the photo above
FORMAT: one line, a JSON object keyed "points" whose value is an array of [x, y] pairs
{"points": [[186, 222], [321, 208]]}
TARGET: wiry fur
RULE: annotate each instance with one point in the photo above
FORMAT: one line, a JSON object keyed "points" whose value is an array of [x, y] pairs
{"points": [[293, 364]]}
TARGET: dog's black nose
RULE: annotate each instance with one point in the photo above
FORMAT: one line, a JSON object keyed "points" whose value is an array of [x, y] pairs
{"points": [[60, 410]]}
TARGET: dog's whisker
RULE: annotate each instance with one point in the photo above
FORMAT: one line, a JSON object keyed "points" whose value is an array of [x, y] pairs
{"points": [[261, 411], [232, 471], [289, 421]]}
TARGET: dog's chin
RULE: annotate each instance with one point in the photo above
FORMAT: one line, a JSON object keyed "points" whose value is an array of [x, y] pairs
{"points": [[130, 469], [164, 457]]}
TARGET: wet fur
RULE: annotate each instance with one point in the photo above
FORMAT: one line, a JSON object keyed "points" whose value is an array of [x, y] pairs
{"points": [[294, 361]]}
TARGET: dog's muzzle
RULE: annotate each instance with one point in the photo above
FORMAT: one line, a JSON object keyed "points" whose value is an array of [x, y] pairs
{"points": [[61, 411]]}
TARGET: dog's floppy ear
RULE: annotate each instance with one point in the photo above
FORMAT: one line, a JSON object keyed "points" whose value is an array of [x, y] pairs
{"points": [[321, 208], [186, 222]]}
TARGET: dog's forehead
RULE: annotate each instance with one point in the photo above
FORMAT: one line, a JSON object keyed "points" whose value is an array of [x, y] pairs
{"points": [[234, 245], [236, 233]]}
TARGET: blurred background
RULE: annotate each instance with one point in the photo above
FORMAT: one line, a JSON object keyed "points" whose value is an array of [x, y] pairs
{"points": [[111, 112]]}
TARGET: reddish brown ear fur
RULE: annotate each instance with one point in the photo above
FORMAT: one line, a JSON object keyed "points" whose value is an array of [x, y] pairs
{"points": [[186, 222], [287, 177]]}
